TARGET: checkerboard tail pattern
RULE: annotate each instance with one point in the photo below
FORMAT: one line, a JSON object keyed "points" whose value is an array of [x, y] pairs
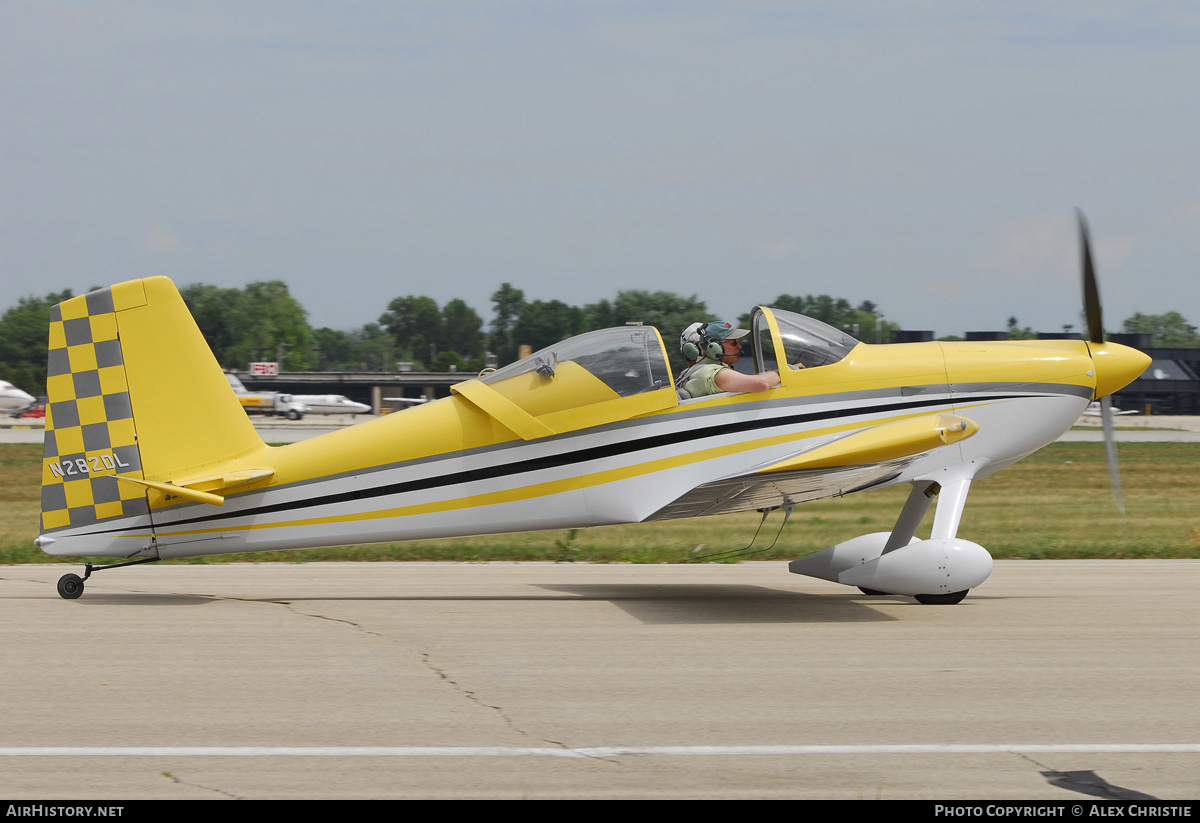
{"points": [[90, 433]]}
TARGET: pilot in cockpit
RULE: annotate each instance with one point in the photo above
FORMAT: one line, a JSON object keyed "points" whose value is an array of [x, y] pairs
{"points": [[711, 350]]}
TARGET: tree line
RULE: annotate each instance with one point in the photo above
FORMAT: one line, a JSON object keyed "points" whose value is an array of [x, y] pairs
{"points": [[264, 322]]}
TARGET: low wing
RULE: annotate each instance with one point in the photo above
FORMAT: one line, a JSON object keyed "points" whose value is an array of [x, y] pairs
{"points": [[756, 492], [854, 462]]}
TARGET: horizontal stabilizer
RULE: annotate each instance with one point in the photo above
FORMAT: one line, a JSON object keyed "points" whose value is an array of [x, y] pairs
{"points": [[222, 483], [210, 489], [887, 441]]}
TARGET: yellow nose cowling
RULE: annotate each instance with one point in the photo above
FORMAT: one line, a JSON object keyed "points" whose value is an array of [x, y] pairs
{"points": [[1116, 367]]}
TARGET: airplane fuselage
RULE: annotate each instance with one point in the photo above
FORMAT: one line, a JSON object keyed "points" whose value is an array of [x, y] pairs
{"points": [[446, 468]]}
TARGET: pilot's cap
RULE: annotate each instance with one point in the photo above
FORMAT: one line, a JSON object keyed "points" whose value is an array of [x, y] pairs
{"points": [[723, 330]]}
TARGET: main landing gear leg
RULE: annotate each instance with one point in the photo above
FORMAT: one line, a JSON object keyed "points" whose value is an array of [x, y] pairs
{"points": [[918, 503], [952, 499], [946, 518], [70, 586]]}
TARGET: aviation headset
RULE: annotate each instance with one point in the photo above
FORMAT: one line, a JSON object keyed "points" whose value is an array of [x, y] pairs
{"points": [[694, 342]]}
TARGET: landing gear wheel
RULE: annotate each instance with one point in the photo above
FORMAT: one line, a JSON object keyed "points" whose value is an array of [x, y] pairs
{"points": [[942, 599], [872, 592], [70, 586]]}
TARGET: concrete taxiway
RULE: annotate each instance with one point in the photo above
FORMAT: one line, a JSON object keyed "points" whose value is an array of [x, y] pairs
{"points": [[507, 680]]}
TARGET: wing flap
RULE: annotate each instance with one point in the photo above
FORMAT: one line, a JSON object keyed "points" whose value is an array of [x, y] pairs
{"points": [[856, 461]]}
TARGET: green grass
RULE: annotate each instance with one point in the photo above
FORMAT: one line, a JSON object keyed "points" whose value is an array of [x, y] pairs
{"points": [[1054, 504], [1099, 427]]}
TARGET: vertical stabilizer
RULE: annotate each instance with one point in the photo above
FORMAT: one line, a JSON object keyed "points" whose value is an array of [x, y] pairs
{"points": [[133, 390]]}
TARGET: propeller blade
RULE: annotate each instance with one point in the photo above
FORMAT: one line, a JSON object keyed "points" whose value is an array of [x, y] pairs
{"points": [[1091, 293], [1110, 448], [1095, 324]]}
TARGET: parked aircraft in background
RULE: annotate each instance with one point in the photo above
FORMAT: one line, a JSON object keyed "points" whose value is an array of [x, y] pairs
{"points": [[149, 456], [267, 403], [12, 399], [1094, 410], [330, 404]]}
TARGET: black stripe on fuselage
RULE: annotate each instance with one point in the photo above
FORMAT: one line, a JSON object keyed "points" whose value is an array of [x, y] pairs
{"points": [[573, 457]]}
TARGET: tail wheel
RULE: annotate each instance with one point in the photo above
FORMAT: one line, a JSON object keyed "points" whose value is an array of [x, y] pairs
{"points": [[70, 586], [942, 599]]}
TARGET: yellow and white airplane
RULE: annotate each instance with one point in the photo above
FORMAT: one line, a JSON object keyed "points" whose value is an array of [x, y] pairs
{"points": [[149, 455]]}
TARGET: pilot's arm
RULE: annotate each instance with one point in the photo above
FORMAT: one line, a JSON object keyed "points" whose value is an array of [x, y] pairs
{"points": [[730, 380]]}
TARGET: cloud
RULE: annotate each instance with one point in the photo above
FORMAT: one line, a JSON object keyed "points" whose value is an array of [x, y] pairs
{"points": [[1184, 222], [160, 240], [71, 16], [1034, 249], [780, 248]]}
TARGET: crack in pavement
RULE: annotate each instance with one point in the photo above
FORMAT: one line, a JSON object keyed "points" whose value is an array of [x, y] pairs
{"points": [[175, 779], [427, 661]]}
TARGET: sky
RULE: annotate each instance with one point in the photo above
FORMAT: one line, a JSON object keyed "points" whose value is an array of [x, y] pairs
{"points": [[926, 156]]}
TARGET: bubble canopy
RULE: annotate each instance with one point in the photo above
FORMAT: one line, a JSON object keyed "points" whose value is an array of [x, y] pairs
{"points": [[613, 374], [627, 359], [807, 343]]}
